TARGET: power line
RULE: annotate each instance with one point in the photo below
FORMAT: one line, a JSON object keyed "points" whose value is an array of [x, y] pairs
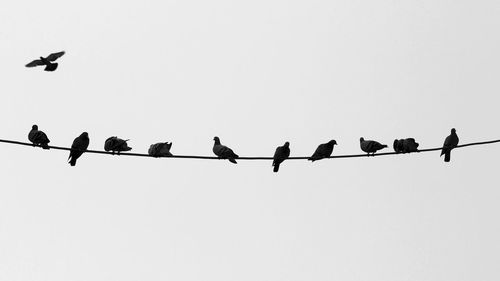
{"points": [[242, 158]]}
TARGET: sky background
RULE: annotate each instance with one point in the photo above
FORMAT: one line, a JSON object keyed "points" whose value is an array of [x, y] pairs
{"points": [[256, 74]]}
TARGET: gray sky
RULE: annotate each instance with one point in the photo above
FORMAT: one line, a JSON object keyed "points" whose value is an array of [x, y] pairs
{"points": [[257, 74]]}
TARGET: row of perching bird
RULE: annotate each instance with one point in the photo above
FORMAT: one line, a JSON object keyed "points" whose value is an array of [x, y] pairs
{"points": [[324, 150]]}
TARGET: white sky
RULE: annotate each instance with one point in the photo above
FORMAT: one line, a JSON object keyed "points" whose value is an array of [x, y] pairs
{"points": [[257, 74]]}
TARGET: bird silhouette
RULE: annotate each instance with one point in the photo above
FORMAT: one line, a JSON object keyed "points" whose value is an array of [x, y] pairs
{"points": [[49, 63], [38, 137], [324, 150], [450, 142], [405, 145], [223, 151], [161, 149], [80, 144], [280, 155], [370, 146], [115, 144]]}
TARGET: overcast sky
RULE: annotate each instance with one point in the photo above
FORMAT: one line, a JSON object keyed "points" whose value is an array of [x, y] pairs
{"points": [[256, 74]]}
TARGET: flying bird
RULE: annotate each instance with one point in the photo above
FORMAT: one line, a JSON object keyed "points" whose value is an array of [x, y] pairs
{"points": [[80, 144], [49, 63], [280, 155], [161, 149], [38, 137], [223, 151], [324, 150], [115, 144], [370, 146], [450, 142]]}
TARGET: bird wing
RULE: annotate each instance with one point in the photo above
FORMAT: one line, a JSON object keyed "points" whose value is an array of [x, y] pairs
{"points": [[35, 63], [55, 56]]}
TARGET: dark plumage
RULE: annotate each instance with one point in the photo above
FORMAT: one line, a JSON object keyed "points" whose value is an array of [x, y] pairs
{"points": [[161, 149], [324, 150], [280, 155], [48, 61], [115, 144], [38, 137], [370, 146], [449, 144], [223, 151], [80, 144], [405, 145]]}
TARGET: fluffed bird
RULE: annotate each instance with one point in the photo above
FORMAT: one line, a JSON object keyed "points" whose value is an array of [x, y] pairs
{"points": [[280, 155], [38, 137], [80, 144], [450, 142], [370, 146], [49, 63], [398, 145], [115, 144], [223, 151], [410, 145], [161, 149], [324, 150]]}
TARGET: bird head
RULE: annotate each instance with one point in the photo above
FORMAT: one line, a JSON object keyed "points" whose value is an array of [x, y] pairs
{"points": [[361, 139], [333, 142], [287, 144], [216, 139], [85, 135], [453, 131], [34, 127]]}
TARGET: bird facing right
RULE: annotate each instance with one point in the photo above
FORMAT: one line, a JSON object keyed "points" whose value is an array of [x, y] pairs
{"points": [[450, 142], [324, 150], [49, 63], [80, 144], [280, 155]]}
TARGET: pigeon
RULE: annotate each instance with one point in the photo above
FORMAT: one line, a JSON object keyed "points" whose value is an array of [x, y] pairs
{"points": [[280, 155], [115, 144], [223, 151], [161, 149], [370, 146], [48, 61], [409, 145], [80, 144], [398, 145], [405, 145], [450, 142], [38, 137], [324, 150]]}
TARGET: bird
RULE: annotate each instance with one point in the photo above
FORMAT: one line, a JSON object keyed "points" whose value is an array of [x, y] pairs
{"points": [[38, 137], [370, 146], [223, 151], [280, 155], [49, 63], [398, 145], [80, 144], [115, 144], [450, 142], [409, 145], [324, 150], [161, 149]]}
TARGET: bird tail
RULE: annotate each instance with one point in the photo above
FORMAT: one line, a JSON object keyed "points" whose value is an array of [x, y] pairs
{"points": [[276, 167], [72, 161], [384, 145], [232, 160], [45, 146], [311, 159], [447, 156]]}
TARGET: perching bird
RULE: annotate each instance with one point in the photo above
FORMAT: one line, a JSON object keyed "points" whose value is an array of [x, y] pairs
{"points": [[223, 151], [115, 144], [80, 144], [161, 149], [48, 61], [370, 146], [38, 137], [398, 145], [450, 142], [405, 145], [280, 155], [324, 150]]}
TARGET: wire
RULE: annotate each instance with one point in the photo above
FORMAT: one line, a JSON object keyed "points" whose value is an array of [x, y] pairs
{"points": [[241, 158]]}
